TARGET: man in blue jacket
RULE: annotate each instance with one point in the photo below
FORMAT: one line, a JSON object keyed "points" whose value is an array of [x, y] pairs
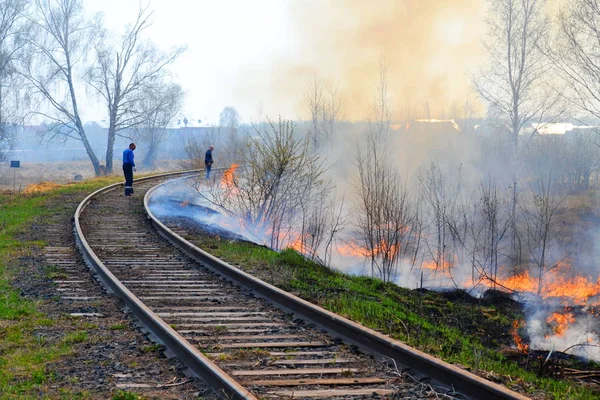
{"points": [[128, 168], [208, 160]]}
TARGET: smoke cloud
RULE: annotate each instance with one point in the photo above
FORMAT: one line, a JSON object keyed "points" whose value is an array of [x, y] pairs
{"points": [[431, 48]]}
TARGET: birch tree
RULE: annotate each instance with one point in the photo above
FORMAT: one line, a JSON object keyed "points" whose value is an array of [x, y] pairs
{"points": [[58, 45], [124, 70], [515, 82]]}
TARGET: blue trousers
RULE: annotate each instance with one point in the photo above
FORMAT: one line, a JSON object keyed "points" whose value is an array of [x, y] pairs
{"points": [[128, 172]]}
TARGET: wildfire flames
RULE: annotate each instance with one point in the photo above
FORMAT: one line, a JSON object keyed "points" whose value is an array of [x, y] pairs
{"points": [[227, 179], [521, 346], [576, 290], [565, 292], [354, 250], [560, 322], [561, 286]]}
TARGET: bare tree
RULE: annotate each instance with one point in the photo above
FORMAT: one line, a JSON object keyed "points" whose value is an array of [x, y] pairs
{"points": [[124, 72], [379, 124], [159, 107], [195, 148], [439, 201], [229, 123], [333, 112], [314, 103], [58, 45], [577, 56], [408, 109], [516, 81], [337, 223], [13, 30], [541, 230], [572, 157], [494, 226], [384, 215]]}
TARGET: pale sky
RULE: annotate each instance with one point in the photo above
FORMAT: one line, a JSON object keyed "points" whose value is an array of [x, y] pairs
{"points": [[232, 49]]}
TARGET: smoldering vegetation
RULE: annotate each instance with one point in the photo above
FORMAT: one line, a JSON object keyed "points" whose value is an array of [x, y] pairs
{"points": [[448, 200], [426, 204]]}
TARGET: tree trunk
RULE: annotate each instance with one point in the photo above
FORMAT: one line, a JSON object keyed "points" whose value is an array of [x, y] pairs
{"points": [[150, 157], [110, 143], [88, 147], [79, 124], [514, 239]]}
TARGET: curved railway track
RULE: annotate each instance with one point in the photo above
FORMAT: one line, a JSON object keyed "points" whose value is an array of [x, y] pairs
{"points": [[244, 337]]}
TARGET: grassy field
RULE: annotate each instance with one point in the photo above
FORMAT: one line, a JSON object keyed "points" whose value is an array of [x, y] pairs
{"points": [[475, 334], [24, 354]]}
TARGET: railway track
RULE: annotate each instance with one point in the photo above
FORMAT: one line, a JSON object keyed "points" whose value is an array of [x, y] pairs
{"points": [[248, 339]]}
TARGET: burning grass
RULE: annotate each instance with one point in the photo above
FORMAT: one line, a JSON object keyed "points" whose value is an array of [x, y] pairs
{"points": [[477, 334]]}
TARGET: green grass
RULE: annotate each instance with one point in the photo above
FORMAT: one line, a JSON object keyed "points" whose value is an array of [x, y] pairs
{"points": [[124, 395], [152, 348], [466, 333], [24, 353], [117, 327]]}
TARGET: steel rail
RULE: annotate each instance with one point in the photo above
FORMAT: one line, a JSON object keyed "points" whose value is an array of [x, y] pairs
{"points": [[367, 339], [163, 333]]}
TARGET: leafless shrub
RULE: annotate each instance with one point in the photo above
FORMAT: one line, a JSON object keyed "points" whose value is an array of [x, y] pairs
{"points": [[384, 215], [493, 228], [383, 211], [278, 173], [541, 231], [439, 199]]}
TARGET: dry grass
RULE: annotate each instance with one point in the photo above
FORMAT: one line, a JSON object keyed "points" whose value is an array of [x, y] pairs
{"points": [[38, 177], [41, 187]]}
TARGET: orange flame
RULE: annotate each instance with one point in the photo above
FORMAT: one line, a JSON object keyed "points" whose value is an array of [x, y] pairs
{"points": [[521, 346], [575, 290], [560, 322], [227, 179], [354, 250]]}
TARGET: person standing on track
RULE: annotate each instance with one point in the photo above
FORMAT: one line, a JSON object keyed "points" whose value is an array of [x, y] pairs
{"points": [[128, 168], [208, 161]]}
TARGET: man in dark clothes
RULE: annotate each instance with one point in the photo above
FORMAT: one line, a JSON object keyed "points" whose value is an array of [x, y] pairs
{"points": [[128, 168], [208, 161]]}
